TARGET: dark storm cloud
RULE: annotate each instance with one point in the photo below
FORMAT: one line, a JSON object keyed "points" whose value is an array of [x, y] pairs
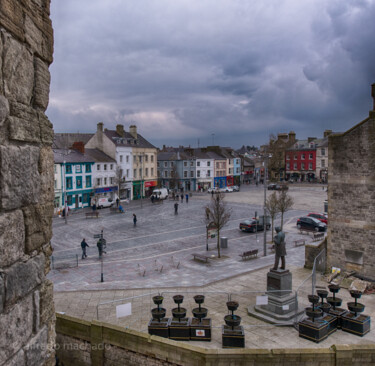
{"points": [[185, 70]]}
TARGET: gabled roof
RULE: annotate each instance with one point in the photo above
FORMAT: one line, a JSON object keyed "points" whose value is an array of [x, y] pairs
{"points": [[70, 156], [98, 156], [128, 140], [66, 140]]}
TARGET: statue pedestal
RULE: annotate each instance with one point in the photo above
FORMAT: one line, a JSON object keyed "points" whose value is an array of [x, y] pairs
{"points": [[282, 304]]}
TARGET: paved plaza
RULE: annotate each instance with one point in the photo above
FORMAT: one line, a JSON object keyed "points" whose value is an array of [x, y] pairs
{"points": [[156, 257]]}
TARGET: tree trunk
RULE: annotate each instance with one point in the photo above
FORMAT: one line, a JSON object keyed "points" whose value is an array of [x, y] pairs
{"points": [[282, 220], [218, 243], [272, 228]]}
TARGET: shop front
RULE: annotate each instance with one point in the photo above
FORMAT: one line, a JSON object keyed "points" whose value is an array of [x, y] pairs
{"points": [[109, 192], [230, 181], [149, 187], [78, 199], [204, 184], [138, 191], [220, 182]]}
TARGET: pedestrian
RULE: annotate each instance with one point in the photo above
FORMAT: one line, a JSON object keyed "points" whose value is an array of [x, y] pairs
{"points": [[117, 202], [212, 193], [152, 199], [120, 208], [83, 246], [176, 208], [134, 220], [177, 197], [187, 198]]}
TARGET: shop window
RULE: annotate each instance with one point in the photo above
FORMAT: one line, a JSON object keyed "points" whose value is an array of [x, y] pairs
{"points": [[69, 183], [88, 181], [69, 200], [88, 168], [68, 169], [78, 182]]}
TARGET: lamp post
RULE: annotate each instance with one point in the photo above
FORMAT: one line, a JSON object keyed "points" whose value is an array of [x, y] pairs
{"points": [[264, 208], [64, 192]]}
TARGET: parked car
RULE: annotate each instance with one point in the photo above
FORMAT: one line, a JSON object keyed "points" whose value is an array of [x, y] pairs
{"points": [[255, 224], [236, 188], [212, 189], [104, 202], [226, 189], [277, 187], [160, 193], [309, 223], [320, 216]]}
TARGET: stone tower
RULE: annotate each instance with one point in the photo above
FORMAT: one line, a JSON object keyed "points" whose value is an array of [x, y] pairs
{"points": [[26, 184]]}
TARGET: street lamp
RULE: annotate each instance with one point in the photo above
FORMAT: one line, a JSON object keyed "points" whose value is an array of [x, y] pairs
{"points": [[264, 208]]}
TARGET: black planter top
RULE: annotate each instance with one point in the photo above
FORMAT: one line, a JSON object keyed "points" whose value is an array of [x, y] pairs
{"points": [[334, 288], [314, 299], [322, 293], [356, 307], [232, 321], [232, 305], [355, 294], [158, 300], [199, 299], [178, 299]]}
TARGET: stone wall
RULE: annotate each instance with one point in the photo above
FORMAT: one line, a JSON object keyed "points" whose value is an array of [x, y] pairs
{"points": [[26, 184], [351, 199], [82, 343]]}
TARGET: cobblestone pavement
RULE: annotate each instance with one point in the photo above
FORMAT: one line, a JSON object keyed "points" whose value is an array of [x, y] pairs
{"points": [[156, 256]]}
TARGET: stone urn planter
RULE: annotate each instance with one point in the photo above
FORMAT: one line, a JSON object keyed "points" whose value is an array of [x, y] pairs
{"points": [[200, 326], [233, 335], [158, 325], [179, 325]]}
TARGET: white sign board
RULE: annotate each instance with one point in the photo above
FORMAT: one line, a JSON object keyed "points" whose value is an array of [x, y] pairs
{"points": [[262, 300], [286, 307], [123, 310], [200, 333]]}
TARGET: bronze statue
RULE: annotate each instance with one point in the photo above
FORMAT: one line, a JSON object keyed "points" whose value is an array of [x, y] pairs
{"points": [[280, 251]]}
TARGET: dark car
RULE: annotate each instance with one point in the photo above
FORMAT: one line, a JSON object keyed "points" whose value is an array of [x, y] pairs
{"points": [[277, 187], [309, 223], [253, 225], [321, 217]]}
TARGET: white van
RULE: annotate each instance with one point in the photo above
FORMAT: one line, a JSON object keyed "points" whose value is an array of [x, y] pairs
{"points": [[104, 202], [160, 193]]}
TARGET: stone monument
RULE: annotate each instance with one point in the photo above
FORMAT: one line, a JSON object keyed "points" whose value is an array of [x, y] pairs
{"points": [[282, 304]]}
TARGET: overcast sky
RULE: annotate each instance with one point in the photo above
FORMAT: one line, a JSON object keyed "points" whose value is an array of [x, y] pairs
{"points": [[229, 72]]}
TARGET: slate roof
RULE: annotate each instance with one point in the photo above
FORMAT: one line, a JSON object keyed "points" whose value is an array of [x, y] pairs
{"points": [[128, 140], [98, 156], [70, 156], [66, 140]]}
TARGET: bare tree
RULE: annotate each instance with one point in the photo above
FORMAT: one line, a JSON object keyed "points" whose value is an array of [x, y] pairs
{"points": [[118, 179], [219, 214], [173, 183], [285, 203], [272, 207]]}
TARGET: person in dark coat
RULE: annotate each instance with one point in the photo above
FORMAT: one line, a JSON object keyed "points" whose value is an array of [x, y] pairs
{"points": [[84, 245], [182, 197], [134, 219], [117, 202], [176, 208], [280, 251], [187, 198]]}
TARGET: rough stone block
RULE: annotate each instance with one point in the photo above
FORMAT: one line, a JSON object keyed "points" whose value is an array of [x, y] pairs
{"points": [[36, 301], [36, 350], [2, 293], [21, 185], [18, 359], [46, 129], [16, 328], [38, 226], [12, 237], [23, 123], [4, 105], [11, 17], [46, 164], [42, 82], [47, 309], [18, 71], [22, 278]]}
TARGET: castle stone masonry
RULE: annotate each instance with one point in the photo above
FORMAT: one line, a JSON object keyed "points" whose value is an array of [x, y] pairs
{"points": [[27, 320], [351, 198]]}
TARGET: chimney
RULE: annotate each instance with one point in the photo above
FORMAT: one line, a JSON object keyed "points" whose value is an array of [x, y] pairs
{"points": [[164, 148], [100, 126], [327, 133], [133, 131], [292, 136], [309, 139], [79, 146], [120, 130], [373, 95]]}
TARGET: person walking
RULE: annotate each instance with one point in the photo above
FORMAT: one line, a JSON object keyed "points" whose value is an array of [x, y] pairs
{"points": [[182, 197], [117, 202], [187, 198], [134, 219], [84, 245], [176, 208]]}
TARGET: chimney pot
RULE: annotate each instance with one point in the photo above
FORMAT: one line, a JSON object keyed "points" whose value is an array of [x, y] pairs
{"points": [[100, 126], [120, 130], [133, 131]]}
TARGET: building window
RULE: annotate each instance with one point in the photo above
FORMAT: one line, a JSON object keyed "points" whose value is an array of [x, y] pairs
{"points": [[295, 157], [192, 163], [165, 164], [88, 168], [98, 167], [158, 173], [127, 172], [208, 163], [198, 163], [208, 173], [78, 182], [120, 158], [310, 166], [55, 168], [146, 172], [157, 164], [295, 166], [98, 181], [105, 166], [135, 173], [310, 156], [165, 173], [69, 183], [140, 159], [237, 170], [140, 173], [185, 163], [146, 158], [302, 166], [152, 158], [303, 156], [288, 157], [111, 166], [217, 165], [68, 169], [287, 166], [55, 183], [238, 161], [88, 181], [191, 174], [323, 163], [69, 200], [323, 151], [230, 171], [171, 164], [198, 173], [78, 168], [185, 173], [127, 158], [105, 181], [152, 171]]}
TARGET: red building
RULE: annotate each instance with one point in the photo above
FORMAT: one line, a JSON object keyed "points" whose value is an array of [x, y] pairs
{"points": [[300, 160]]}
